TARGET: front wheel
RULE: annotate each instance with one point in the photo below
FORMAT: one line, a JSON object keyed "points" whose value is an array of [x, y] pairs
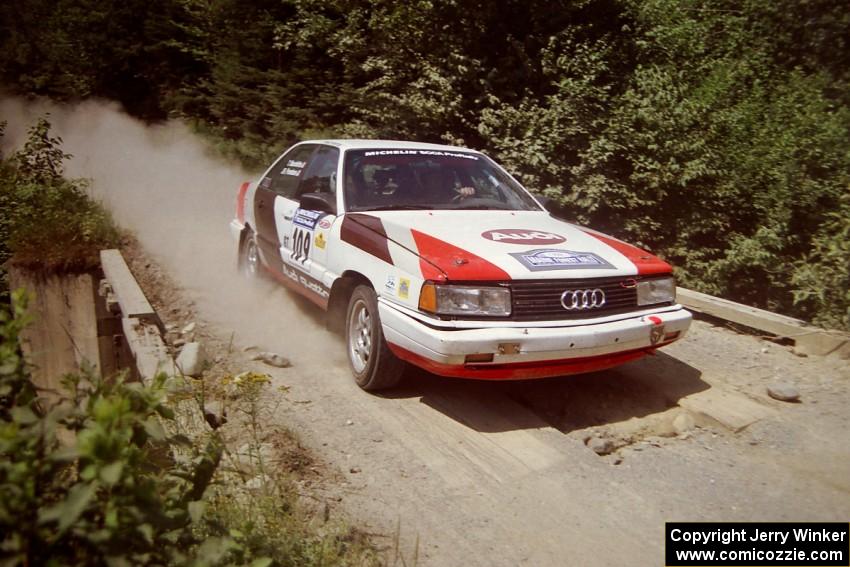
{"points": [[374, 366]]}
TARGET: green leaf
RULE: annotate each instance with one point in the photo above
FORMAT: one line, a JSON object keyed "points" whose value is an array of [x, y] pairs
{"points": [[65, 454], [88, 473], [147, 532], [24, 415], [154, 429], [117, 561], [196, 510], [111, 518], [111, 473], [181, 439], [165, 411], [69, 510]]}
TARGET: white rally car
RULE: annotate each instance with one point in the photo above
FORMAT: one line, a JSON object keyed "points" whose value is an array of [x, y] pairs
{"points": [[435, 256]]}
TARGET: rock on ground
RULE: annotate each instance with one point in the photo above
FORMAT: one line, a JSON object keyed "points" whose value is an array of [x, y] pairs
{"points": [[192, 359], [273, 359], [683, 423], [601, 446], [783, 392]]}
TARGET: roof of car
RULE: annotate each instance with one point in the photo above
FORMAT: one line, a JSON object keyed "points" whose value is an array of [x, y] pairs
{"points": [[386, 144]]}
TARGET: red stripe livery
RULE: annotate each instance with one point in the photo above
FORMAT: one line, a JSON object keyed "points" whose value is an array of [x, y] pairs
{"points": [[454, 263], [646, 263]]}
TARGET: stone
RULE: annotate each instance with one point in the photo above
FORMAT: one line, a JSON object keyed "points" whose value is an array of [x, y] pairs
{"points": [[783, 392], [188, 328], [272, 359], [192, 359], [601, 446], [683, 423], [214, 413], [354, 470], [258, 482]]}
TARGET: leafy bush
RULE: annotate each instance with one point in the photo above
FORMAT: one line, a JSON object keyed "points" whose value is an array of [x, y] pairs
{"points": [[49, 224], [104, 476], [714, 132], [88, 480]]}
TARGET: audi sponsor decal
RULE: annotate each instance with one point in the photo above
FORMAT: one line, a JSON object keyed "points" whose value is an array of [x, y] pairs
{"points": [[547, 259], [582, 299], [306, 281], [522, 236]]}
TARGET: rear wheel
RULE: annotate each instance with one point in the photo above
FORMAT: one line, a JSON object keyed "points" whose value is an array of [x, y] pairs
{"points": [[374, 366], [249, 256]]}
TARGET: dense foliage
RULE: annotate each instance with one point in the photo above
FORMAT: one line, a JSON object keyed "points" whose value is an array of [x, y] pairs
{"points": [[101, 473], [716, 133], [47, 222], [79, 481]]}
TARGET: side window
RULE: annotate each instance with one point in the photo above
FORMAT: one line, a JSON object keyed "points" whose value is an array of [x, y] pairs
{"points": [[284, 177], [320, 176]]}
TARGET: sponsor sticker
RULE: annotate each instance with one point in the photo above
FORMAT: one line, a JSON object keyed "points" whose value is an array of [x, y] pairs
{"points": [[324, 223], [549, 259], [307, 219], [404, 288], [522, 236], [392, 283], [320, 241]]}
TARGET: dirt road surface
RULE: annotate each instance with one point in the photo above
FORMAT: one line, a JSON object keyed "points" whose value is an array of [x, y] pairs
{"points": [[477, 473]]}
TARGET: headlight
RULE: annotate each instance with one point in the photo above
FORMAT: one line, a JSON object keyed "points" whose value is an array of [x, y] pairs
{"points": [[465, 300], [661, 290]]}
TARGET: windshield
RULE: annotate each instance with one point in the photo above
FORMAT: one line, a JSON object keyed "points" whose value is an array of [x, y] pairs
{"points": [[429, 179]]}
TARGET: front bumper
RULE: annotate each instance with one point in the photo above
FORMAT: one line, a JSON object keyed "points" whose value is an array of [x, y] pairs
{"points": [[236, 229], [531, 352]]}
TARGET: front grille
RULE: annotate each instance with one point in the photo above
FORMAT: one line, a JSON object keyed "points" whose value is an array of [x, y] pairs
{"points": [[539, 300]]}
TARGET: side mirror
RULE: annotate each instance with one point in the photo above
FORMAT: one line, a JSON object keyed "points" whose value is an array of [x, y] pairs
{"points": [[543, 200], [555, 208], [324, 202]]}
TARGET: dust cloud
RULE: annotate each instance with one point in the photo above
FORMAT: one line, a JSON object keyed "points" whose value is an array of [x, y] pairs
{"points": [[161, 183]]}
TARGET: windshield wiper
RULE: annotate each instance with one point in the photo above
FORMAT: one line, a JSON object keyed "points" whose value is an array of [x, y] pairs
{"points": [[462, 207]]}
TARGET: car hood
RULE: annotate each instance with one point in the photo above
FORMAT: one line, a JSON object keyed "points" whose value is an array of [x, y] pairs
{"points": [[509, 245]]}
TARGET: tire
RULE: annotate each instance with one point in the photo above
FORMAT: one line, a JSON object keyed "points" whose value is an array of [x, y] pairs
{"points": [[374, 366], [249, 256]]}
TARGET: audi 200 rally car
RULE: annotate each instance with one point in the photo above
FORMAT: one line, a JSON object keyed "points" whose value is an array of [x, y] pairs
{"points": [[435, 256]]}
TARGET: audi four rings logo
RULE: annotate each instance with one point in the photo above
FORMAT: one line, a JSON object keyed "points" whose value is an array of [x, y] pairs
{"points": [[582, 299]]}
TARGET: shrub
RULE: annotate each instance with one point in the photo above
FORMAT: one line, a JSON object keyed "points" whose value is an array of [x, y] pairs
{"points": [[49, 224], [109, 494], [105, 476]]}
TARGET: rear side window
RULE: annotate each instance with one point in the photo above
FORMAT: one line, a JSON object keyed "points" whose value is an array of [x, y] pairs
{"points": [[286, 175], [320, 176]]}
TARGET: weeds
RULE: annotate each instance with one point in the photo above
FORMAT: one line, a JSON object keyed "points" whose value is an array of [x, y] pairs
{"points": [[107, 476], [48, 223]]}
